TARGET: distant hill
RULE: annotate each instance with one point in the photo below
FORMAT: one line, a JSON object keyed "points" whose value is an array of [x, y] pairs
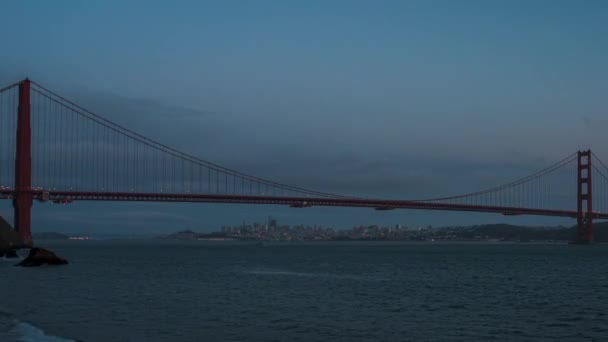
{"points": [[524, 233], [517, 233], [190, 235], [181, 235], [50, 236]]}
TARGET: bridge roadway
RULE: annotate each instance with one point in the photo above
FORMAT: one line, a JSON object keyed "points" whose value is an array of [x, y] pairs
{"points": [[296, 202]]}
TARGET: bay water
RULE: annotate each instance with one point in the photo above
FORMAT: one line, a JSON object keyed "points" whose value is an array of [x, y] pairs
{"points": [[155, 290]]}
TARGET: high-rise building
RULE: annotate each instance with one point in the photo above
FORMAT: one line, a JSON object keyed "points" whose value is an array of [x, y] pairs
{"points": [[272, 223]]}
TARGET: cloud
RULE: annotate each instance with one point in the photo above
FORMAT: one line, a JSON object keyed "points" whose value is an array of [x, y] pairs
{"points": [[147, 215], [411, 149], [88, 217], [587, 121]]}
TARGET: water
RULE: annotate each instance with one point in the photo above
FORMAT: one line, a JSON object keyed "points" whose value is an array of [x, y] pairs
{"points": [[231, 291]]}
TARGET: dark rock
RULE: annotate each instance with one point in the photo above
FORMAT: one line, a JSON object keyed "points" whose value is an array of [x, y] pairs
{"points": [[11, 254], [39, 256], [9, 238], [8, 253]]}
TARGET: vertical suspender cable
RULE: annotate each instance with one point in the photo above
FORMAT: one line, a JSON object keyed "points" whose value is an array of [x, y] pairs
{"points": [[2, 135]]}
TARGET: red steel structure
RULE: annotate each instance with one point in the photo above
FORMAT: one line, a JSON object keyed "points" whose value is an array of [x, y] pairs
{"points": [[81, 156], [22, 201], [584, 217]]}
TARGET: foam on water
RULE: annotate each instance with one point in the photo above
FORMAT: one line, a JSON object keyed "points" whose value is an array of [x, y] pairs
{"points": [[28, 333], [12, 329], [277, 272], [15, 260], [286, 273]]}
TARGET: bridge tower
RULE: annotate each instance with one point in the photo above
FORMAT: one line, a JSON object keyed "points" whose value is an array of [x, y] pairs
{"points": [[584, 219], [22, 203]]}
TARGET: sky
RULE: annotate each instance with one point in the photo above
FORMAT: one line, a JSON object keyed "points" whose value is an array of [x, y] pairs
{"points": [[399, 99]]}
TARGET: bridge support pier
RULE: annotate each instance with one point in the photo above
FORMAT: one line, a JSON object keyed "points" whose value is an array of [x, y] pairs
{"points": [[22, 202], [584, 219]]}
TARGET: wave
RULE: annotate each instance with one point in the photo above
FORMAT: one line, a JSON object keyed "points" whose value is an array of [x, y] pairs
{"points": [[24, 332], [287, 273], [15, 260], [276, 272], [28, 333]]}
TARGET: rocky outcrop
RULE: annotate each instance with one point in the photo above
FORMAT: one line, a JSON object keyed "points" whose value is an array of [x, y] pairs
{"points": [[9, 254], [10, 243], [9, 240], [40, 256]]}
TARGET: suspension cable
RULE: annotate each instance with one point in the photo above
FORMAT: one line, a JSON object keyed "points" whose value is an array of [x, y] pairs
{"points": [[166, 149]]}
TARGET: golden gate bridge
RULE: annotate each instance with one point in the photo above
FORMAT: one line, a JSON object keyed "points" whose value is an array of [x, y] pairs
{"points": [[52, 149]]}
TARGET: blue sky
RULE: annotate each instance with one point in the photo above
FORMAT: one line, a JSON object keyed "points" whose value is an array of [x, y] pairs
{"points": [[403, 87]]}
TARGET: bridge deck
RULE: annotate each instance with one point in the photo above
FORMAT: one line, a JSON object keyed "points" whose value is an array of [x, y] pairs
{"points": [[298, 202]]}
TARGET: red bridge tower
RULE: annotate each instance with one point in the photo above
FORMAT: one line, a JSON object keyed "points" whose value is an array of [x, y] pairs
{"points": [[23, 166], [584, 219]]}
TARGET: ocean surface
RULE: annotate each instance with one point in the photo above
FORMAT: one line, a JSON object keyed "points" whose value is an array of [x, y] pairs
{"points": [[341, 291]]}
